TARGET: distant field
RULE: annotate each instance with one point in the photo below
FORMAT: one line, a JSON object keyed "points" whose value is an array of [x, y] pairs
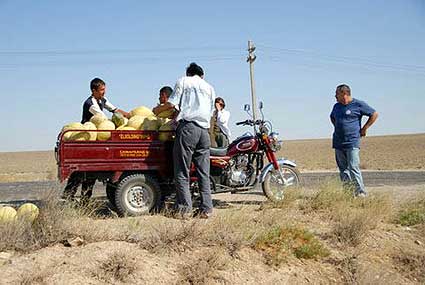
{"points": [[399, 152]]}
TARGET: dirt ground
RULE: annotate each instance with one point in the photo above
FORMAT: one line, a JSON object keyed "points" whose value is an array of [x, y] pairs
{"points": [[388, 254], [106, 249]]}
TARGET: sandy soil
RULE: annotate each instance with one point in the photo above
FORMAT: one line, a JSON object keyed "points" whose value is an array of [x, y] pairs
{"points": [[385, 256]]}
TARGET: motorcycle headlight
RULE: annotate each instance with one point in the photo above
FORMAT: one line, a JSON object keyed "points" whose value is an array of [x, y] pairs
{"points": [[275, 143]]}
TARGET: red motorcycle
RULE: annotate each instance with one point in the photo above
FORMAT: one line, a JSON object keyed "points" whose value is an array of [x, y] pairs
{"points": [[240, 166]]}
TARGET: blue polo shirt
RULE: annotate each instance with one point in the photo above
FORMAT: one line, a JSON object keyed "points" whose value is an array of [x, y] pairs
{"points": [[348, 119]]}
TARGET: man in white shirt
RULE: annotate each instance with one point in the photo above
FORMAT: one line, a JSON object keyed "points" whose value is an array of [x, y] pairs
{"points": [[219, 130], [194, 98]]}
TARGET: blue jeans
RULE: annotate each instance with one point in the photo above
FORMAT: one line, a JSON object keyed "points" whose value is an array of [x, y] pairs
{"points": [[348, 161]]}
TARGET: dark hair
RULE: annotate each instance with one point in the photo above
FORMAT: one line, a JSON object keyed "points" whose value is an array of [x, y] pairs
{"points": [[194, 69], [221, 101], [343, 88], [96, 83], [167, 90]]}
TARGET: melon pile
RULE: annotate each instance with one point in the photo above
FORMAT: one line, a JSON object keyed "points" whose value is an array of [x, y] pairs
{"points": [[141, 118], [27, 212]]}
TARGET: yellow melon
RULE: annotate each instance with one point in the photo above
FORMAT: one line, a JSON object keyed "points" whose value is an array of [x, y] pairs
{"points": [[105, 125], [98, 118], [166, 130], [91, 127], [141, 111], [7, 214], [68, 136], [136, 121], [118, 119], [151, 124], [28, 212]]}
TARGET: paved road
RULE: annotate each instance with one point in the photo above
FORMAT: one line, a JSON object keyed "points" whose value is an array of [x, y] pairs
{"points": [[20, 192]]}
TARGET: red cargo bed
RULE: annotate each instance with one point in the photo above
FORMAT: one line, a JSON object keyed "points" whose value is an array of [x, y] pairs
{"points": [[125, 151]]}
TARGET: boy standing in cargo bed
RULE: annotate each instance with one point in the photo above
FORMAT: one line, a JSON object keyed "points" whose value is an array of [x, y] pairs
{"points": [[92, 106], [97, 102]]}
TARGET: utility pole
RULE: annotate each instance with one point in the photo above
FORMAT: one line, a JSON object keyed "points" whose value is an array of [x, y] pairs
{"points": [[251, 58]]}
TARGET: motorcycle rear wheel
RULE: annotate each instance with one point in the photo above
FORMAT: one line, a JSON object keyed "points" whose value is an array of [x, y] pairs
{"points": [[273, 186]]}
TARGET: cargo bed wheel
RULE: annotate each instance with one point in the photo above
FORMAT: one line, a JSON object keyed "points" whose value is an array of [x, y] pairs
{"points": [[137, 195]]}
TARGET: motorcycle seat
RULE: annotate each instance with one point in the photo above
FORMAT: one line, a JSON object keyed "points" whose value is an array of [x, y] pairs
{"points": [[215, 151]]}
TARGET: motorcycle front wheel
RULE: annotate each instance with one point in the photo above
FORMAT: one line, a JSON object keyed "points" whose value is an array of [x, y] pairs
{"points": [[274, 186]]}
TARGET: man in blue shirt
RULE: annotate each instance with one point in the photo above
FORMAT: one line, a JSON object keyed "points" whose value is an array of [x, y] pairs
{"points": [[346, 116]]}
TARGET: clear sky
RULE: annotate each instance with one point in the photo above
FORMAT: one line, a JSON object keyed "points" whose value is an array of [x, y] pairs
{"points": [[50, 50]]}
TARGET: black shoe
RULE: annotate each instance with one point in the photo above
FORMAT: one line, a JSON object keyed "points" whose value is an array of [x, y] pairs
{"points": [[202, 214]]}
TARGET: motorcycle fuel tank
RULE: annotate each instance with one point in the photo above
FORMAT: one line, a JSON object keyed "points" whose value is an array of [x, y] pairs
{"points": [[243, 144]]}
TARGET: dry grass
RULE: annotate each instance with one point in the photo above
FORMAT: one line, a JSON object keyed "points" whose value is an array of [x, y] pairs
{"points": [[354, 220], [56, 223], [35, 276], [348, 267], [292, 196], [411, 265], [118, 267], [280, 242], [313, 233], [412, 213], [352, 217], [352, 228], [330, 194], [48, 229], [171, 236], [231, 231], [204, 269]]}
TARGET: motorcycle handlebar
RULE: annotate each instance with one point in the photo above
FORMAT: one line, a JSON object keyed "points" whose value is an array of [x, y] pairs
{"points": [[249, 122]]}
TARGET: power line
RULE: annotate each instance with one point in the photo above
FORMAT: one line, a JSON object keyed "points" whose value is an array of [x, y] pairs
{"points": [[112, 51], [205, 53], [366, 62]]}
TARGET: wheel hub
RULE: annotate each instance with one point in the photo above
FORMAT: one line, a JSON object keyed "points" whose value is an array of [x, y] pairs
{"points": [[279, 181], [137, 196]]}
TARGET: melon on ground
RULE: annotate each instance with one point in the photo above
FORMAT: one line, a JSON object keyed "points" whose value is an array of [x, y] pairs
{"points": [[7, 214], [28, 212]]}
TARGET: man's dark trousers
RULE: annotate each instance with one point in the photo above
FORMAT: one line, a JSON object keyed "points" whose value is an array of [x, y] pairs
{"points": [[192, 143]]}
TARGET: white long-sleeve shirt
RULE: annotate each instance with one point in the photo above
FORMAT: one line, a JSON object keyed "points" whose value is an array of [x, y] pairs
{"points": [[194, 98], [92, 107], [223, 122]]}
